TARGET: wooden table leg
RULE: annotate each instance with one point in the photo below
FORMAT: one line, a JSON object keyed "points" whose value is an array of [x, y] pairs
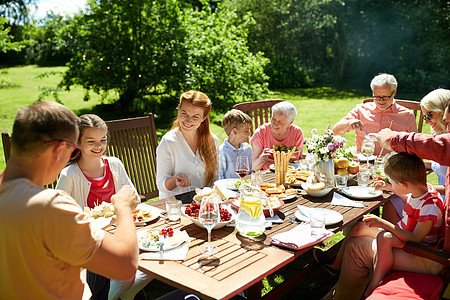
{"points": [[254, 292]]}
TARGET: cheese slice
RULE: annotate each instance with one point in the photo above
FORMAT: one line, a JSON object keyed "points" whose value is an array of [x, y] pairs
{"points": [[219, 192], [178, 238]]}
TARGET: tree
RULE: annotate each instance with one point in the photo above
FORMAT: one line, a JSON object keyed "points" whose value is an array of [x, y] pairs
{"points": [[47, 49], [128, 46], [294, 34], [139, 48], [16, 11], [219, 61], [6, 40]]}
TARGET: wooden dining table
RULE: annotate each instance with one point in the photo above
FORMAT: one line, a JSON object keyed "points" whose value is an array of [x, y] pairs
{"points": [[242, 263]]}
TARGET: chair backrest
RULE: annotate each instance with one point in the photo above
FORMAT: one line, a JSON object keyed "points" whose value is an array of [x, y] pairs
{"points": [[412, 105], [134, 142], [259, 111], [6, 141]]}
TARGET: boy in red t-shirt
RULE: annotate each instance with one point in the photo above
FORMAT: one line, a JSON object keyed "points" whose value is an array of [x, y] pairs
{"points": [[421, 216]]}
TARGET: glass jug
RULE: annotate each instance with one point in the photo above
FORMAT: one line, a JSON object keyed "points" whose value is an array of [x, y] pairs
{"points": [[250, 221]]}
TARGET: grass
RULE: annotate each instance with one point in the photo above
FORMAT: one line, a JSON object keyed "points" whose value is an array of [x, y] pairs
{"points": [[317, 108]]}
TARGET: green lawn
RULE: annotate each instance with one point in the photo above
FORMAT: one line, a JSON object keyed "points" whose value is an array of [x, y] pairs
{"points": [[317, 108]]}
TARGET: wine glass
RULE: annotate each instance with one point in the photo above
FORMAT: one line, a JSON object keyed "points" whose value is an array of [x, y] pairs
{"points": [[242, 166], [209, 215], [367, 149]]}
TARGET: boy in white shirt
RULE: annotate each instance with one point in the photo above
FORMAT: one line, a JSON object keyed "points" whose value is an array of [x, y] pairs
{"points": [[237, 126]]}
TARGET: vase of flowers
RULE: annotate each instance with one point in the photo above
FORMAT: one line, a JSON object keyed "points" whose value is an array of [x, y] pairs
{"points": [[325, 148]]}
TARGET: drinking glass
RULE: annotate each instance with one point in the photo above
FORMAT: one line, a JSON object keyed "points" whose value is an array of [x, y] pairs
{"points": [[242, 166], [317, 222], [341, 181], [367, 148], [363, 177], [173, 208], [209, 215]]}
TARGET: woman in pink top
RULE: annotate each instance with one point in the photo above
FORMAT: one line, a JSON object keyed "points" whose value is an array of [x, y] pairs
{"points": [[281, 129]]}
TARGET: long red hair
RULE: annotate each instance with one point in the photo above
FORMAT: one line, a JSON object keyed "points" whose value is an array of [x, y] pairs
{"points": [[206, 145]]}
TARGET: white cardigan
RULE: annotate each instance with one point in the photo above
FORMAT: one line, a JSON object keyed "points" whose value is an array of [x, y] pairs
{"points": [[174, 156], [73, 181]]}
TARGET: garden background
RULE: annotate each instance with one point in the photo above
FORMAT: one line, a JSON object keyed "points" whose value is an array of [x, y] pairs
{"points": [[126, 58]]}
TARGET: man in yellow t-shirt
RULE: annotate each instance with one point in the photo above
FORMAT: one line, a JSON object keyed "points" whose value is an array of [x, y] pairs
{"points": [[46, 240]]}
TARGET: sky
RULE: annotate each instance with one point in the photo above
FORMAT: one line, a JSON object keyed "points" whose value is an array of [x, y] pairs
{"points": [[58, 6]]}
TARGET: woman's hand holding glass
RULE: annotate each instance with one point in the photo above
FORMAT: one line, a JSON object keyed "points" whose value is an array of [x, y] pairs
{"points": [[182, 180]]}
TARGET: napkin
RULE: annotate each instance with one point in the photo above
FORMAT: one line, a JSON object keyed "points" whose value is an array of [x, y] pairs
{"points": [[299, 237], [178, 253], [304, 210], [338, 199]]}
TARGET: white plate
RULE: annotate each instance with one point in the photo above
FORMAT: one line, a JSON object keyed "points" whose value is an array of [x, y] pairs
{"points": [[331, 216], [228, 183], [289, 197], [361, 192], [142, 233], [361, 157], [154, 212]]}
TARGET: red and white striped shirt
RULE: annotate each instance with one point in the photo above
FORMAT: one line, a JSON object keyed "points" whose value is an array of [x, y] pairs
{"points": [[428, 207]]}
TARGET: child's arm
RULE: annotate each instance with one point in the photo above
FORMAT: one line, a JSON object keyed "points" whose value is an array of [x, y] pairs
{"points": [[420, 231]]}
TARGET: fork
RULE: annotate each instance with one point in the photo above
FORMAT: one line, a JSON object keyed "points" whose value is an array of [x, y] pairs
{"points": [[293, 221]]}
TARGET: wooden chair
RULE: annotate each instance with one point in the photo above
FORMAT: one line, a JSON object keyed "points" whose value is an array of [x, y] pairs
{"points": [[6, 141], [134, 142], [412, 105], [259, 111], [410, 285]]}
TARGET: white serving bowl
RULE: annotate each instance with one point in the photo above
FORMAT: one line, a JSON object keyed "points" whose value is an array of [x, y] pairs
{"points": [[218, 225], [320, 193]]}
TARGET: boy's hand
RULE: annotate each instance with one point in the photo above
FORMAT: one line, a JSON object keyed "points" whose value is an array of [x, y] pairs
{"points": [[125, 198], [373, 221], [380, 184]]}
